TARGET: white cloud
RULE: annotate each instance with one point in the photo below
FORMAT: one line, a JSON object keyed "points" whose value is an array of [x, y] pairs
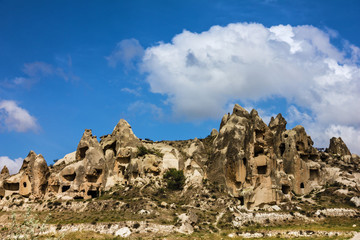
{"points": [[13, 165], [126, 51], [201, 73], [15, 118]]}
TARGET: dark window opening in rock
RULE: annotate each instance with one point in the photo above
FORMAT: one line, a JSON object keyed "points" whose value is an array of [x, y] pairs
{"points": [[78, 198], [300, 146], [124, 160], [70, 177], [11, 186], [282, 148], [302, 185], [313, 157], [244, 161], [65, 188], [304, 157], [238, 184], [112, 147], [82, 152], [135, 175], [241, 198], [261, 169], [314, 174], [258, 150], [55, 188], [323, 157], [121, 170], [285, 135], [92, 178], [259, 134], [24, 184], [285, 189], [93, 193]]}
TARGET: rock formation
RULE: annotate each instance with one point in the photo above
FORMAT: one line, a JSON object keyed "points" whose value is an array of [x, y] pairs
{"points": [[253, 162]]}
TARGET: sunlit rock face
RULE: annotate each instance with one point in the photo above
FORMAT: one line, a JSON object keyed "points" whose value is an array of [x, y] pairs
{"points": [[253, 162]]}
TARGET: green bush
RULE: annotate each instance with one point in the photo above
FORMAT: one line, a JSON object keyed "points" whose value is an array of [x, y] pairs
{"points": [[143, 151], [175, 179]]}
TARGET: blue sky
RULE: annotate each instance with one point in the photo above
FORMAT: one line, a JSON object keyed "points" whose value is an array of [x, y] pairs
{"points": [[172, 69]]}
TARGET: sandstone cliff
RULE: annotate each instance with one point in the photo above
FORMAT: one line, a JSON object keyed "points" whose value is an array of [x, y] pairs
{"points": [[253, 162]]}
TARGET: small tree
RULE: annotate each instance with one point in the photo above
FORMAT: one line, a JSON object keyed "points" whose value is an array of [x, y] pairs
{"points": [[175, 179]]}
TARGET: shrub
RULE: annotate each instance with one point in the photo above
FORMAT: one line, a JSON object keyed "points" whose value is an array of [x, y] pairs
{"points": [[175, 179], [143, 151], [29, 228]]}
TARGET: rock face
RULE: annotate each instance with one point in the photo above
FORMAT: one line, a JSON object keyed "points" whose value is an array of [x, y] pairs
{"points": [[337, 146], [32, 179], [254, 162]]}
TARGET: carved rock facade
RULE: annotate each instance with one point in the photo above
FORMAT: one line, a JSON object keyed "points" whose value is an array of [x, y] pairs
{"points": [[254, 162]]}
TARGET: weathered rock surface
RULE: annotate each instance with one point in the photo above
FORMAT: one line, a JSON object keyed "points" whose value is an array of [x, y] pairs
{"points": [[255, 163], [337, 146]]}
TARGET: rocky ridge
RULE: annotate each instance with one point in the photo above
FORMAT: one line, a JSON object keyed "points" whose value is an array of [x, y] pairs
{"points": [[256, 163], [243, 167]]}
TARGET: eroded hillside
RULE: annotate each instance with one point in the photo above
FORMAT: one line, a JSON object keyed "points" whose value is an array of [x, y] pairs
{"points": [[244, 175]]}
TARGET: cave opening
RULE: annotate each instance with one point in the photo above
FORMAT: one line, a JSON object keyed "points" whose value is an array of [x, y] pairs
{"points": [[65, 188], [285, 189], [300, 146], [241, 198], [92, 178], [282, 148], [82, 152], [259, 134], [258, 150], [123, 160], [262, 169], [244, 161], [314, 174], [111, 147], [302, 185], [11, 186], [70, 177], [93, 193]]}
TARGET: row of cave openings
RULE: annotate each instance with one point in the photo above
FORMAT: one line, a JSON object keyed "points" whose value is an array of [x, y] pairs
{"points": [[92, 178], [65, 188], [300, 147]]}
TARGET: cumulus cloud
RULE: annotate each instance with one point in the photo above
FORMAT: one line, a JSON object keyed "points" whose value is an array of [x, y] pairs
{"points": [[13, 165], [126, 52], [15, 118], [201, 73]]}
